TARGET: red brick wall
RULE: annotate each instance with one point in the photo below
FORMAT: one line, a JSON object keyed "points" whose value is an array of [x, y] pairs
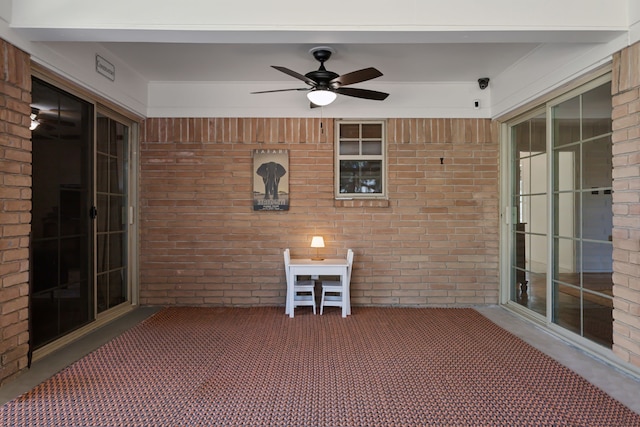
{"points": [[434, 243], [15, 208], [626, 204]]}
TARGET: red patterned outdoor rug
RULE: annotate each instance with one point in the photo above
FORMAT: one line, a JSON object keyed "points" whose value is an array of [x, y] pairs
{"points": [[257, 367]]}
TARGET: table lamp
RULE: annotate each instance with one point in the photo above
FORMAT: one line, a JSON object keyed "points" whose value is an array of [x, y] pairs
{"points": [[317, 242]]}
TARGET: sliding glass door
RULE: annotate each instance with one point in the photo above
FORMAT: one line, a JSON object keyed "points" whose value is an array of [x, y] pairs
{"points": [[80, 217], [112, 212], [61, 294], [561, 222]]}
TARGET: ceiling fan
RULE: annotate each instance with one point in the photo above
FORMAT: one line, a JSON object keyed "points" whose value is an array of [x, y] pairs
{"points": [[324, 85]]}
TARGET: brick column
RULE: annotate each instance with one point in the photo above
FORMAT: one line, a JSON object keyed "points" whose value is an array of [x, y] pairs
{"points": [[626, 204], [15, 208]]}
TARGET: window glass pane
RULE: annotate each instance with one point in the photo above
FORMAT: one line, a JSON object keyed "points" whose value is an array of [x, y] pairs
{"points": [[103, 213], [71, 261], [45, 265], [537, 221], [372, 130], [567, 168], [117, 287], [601, 283], [349, 148], [115, 250], [524, 210], [597, 162], [566, 254], [524, 183], [116, 208], [115, 175], [102, 173], [363, 176], [567, 215], [520, 266], [122, 142], [597, 216], [598, 318], [537, 258], [113, 138], [535, 295], [349, 130], [522, 137], [102, 135], [567, 311], [596, 111], [539, 134], [71, 212], [566, 122], [372, 148], [103, 252], [102, 291], [597, 257], [538, 174]]}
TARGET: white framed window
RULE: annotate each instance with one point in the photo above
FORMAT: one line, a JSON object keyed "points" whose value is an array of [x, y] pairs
{"points": [[361, 159]]}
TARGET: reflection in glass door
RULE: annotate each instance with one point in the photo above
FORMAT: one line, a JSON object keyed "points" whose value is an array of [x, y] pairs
{"points": [[111, 202]]}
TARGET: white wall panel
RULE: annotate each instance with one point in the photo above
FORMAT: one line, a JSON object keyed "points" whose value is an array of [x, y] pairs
{"points": [[549, 67]]}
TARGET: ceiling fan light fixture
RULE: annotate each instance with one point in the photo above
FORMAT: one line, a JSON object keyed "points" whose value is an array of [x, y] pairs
{"points": [[321, 97]]}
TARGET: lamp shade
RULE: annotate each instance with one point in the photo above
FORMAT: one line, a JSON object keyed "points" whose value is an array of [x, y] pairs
{"points": [[317, 242], [321, 97]]}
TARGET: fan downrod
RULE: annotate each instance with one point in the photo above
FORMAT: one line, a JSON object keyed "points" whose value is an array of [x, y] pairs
{"points": [[322, 53]]}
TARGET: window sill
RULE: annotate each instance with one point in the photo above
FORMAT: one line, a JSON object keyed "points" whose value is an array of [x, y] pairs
{"points": [[361, 203]]}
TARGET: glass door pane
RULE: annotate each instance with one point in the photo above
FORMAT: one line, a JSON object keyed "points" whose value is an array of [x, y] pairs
{"points": [[583, 218], [61, 294], [111, 201], [529, 221]]}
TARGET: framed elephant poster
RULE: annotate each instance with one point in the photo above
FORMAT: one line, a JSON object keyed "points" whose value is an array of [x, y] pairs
{"points": [[270, 180]]}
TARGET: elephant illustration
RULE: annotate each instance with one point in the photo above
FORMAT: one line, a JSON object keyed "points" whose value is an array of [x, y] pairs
{"points": [[271, 173]]}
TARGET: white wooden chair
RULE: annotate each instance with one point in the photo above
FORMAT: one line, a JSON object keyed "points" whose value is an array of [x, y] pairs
{"points": [[304, 293], [333, 292]]}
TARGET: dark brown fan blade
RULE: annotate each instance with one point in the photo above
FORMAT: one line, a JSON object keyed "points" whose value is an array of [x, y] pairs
{"points": [[298, 76], [362, 93], [281, 90], [355, 77]]}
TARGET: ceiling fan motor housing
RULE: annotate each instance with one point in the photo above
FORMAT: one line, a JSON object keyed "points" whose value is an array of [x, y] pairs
{"points": [[321, 76]]}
